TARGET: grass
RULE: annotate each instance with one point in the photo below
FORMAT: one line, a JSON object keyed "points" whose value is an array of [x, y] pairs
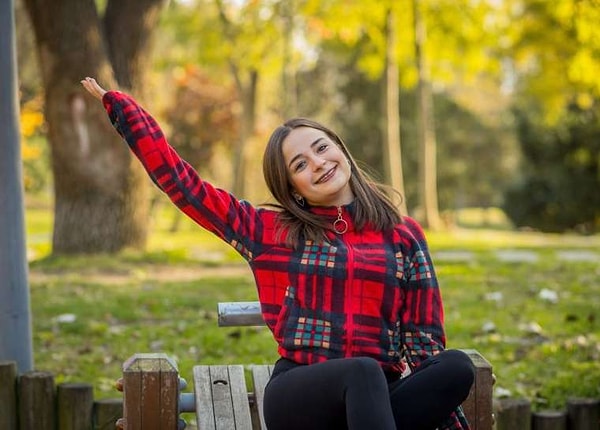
{"points": [[92, 313]]}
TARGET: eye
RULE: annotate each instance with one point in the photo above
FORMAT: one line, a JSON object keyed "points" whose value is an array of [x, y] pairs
{"points": [[322, 147], [299, 166]]}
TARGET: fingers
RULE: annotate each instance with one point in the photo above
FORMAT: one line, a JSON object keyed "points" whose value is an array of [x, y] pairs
{"points": [[93, 88]]}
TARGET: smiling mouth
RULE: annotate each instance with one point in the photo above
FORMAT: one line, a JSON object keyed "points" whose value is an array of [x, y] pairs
{"points": [[326, 176]]}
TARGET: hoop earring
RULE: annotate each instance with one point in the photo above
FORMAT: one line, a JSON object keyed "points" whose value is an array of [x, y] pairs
{"points": [[299, 199]]}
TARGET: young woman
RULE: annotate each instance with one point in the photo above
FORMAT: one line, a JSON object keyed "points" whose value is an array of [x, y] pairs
{"points": [[346, 284]]}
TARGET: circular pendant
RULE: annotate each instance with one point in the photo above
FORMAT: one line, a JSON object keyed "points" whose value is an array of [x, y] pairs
{"points": [[340, 226]]}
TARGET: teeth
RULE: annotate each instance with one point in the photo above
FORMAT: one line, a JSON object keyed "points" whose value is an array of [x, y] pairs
{"points": [[325, 176]]}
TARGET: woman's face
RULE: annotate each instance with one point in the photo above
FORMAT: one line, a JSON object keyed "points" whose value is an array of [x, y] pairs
{"points": [[318, 169]]}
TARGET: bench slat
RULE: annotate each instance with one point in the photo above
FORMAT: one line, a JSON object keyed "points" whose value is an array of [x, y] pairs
{"points": [[221, 387], [239, 394], [205, 414], [260, 377], [221, 398]]}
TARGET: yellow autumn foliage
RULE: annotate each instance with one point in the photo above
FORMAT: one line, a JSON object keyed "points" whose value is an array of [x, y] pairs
{"points": [[32, 120]]}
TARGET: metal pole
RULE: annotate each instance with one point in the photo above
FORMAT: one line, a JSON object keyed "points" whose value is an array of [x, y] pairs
{"points": [[15, 318]]}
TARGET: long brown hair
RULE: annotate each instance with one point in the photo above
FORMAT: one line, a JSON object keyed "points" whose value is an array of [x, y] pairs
{"points": [[373, 205]]}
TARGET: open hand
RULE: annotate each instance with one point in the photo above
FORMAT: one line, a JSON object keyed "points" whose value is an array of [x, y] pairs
{"points": [[93, 88]]}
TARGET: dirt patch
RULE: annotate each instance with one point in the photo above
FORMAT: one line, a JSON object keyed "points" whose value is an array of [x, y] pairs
{"points": [[158, 273]]}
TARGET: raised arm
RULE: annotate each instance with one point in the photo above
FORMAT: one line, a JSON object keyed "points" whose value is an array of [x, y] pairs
{"points": [[236, 222]]}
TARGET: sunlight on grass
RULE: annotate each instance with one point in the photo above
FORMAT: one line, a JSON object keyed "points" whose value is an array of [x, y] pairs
{"points": [[506, 312]]}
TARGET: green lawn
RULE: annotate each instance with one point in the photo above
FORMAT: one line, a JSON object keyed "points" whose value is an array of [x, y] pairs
{"points": [[536, 322]]}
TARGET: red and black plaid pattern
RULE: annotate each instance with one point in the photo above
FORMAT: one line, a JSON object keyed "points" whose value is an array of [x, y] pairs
{"points": [[363, 293]]}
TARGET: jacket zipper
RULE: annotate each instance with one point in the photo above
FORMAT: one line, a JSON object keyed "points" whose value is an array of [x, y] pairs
{"points": [[349, 293]]}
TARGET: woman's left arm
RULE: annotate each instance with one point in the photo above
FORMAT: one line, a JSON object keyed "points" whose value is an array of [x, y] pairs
{"points": [[422, 314]]}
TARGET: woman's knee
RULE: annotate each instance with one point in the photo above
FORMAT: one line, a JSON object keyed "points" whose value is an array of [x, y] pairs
{"points": [[362, 371], [363, 365], [460, 366], [460, 361]]}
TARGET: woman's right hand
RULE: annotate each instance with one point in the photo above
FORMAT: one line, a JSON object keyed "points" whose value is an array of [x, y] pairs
{"points": [[93, 88]]}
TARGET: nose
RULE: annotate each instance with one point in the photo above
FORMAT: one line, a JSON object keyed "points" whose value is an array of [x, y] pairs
{"points": [[317, 162]]}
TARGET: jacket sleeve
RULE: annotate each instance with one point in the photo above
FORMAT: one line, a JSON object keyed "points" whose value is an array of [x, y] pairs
{"points": [[235, 221], [422, 313], [422, 316]]}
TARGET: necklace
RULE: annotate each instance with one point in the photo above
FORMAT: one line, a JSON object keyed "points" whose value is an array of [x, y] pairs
{"points": [[340, 226]]}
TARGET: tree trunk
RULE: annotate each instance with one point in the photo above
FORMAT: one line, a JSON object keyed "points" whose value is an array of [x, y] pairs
{"points": [[289, 90], [430, 217], [247, 125], [128, 27], [392, 148], [101, 202], [247, 93]]}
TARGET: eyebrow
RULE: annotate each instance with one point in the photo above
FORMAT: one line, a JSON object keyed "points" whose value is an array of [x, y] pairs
{"points": [[295, 157]]}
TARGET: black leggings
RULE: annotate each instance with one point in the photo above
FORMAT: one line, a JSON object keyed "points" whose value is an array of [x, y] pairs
{"points": [[353, 393]]}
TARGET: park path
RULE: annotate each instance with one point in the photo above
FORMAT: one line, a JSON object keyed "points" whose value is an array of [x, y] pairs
{"points": [[190, 273], [520, 256], [155, 272]]}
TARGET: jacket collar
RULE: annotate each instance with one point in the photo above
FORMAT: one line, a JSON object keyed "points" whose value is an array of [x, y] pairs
{"points": [[342, 216]]}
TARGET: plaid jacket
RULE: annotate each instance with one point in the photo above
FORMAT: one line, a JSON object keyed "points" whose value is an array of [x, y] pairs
{"points": [[363, 293]]}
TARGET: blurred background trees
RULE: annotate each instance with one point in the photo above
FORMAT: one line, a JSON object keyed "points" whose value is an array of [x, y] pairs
{"points": [[555, 60], [100, 198], [510, 87]]}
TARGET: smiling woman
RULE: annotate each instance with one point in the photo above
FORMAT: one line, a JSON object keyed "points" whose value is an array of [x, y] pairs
{"points": [[345, 283], [318, 169], [307, 165]]}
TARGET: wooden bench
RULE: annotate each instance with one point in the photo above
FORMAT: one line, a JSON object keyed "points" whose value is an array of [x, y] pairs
{"points": [[221, 398]]}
